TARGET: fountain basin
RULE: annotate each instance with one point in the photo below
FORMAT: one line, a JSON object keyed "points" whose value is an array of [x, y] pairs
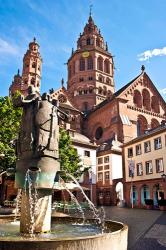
{"points": [[114, 237]]}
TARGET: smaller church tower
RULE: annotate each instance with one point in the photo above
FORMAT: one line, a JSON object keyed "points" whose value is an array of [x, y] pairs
{"points": [[16, 84], [31, 73], [90, 69]]}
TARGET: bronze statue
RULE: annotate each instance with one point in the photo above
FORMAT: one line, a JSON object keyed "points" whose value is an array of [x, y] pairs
{"points": [[37, 144]]}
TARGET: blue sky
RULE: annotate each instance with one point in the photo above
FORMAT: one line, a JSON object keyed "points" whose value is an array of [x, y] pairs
{"points": [[134, 31]]}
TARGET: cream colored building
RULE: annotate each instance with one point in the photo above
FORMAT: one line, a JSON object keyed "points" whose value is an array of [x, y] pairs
{"points": [[109, 173], [145, 163]]}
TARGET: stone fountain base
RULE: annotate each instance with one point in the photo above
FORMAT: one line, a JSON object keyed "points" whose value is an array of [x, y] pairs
{"points": [[114, 238]]}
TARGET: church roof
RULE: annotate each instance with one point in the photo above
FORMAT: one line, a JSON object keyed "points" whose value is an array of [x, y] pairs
{"points": [[80, 138], [110, 144]]}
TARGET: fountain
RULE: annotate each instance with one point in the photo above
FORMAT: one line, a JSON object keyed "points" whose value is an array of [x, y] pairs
{"points": [[37, 168]]}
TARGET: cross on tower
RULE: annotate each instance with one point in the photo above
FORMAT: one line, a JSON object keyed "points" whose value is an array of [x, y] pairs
{"points": [[90, 7]]}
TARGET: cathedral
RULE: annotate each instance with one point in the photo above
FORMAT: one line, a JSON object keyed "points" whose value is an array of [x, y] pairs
{"points": [[96, 110]]}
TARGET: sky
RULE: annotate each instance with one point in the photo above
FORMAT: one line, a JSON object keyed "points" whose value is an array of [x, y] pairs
{"points": [[134, 31]]}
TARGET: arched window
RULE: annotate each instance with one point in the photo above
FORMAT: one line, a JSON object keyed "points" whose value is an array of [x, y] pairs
{"points": [[98, 133], [33, 81], [101, 78], [90, 63], [100, 63], [108, 80], [107, 66], [155, 104], [145, 194], [142, 125], [100, 90], [82, 64], [88, 41], [133, 195], [154, 123], [109, 93], [34, 65], [146, 99], [137, 98]]}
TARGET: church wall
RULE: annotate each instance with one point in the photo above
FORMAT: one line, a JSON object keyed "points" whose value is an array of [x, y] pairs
{"points": [[107, 118]]}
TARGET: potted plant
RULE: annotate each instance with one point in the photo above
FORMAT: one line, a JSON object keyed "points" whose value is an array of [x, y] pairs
{"points": [[149, 203], [162, 204]]}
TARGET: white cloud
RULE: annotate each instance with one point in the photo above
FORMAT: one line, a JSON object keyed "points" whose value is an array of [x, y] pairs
{"points": [[163, 91], [6, 48], [150, 53]]}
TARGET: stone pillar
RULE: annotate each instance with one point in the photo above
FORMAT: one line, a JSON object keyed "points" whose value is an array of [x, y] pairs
{"points": [[36, 211]]}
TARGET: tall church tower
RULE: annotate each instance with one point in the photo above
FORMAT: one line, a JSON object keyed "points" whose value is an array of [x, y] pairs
{"points": [[90, 69], [31, 73]]}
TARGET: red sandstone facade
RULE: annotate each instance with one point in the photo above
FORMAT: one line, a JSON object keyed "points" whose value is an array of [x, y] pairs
{"points": [[31, 73], [96, 110]]}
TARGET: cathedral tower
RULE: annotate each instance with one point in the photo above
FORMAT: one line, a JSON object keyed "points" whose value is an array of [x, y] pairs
{"points": [[31, 73], [90, 69]]}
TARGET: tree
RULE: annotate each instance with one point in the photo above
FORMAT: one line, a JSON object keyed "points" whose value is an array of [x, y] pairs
{"points": [[10, 118], [69, 159]]}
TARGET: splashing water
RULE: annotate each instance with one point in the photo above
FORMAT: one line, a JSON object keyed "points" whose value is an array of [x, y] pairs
{"points": [[31, 191], [18, 204], [95, 211], [73, 198]]}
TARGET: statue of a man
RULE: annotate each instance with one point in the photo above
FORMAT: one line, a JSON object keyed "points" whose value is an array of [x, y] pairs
{"points": [[38, 141]]}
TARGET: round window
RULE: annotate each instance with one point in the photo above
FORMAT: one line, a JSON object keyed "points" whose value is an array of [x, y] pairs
{"points": [[99, 133]]}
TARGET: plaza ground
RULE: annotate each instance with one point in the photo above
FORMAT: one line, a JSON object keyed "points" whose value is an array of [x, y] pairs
{"points": [[147, 228]]}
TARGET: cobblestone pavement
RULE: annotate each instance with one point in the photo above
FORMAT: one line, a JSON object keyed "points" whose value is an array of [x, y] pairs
{"points": [[147, 228]]}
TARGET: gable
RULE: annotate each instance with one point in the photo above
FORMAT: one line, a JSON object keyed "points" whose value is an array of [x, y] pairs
{"points": [[64, 100], [142, 93]]}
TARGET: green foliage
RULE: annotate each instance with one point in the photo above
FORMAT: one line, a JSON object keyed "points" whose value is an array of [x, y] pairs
{"points": [[69, 160], [10, 118]]}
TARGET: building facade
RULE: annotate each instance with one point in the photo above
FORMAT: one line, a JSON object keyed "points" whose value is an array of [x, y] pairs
{"points": [[109, 173], [87, 153], [145, 164]]}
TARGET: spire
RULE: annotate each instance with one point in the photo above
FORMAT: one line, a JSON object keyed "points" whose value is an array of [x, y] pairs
{"points": [[106, 46], [18, 72], [90, 13], [34, 39], [90, 10]]}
